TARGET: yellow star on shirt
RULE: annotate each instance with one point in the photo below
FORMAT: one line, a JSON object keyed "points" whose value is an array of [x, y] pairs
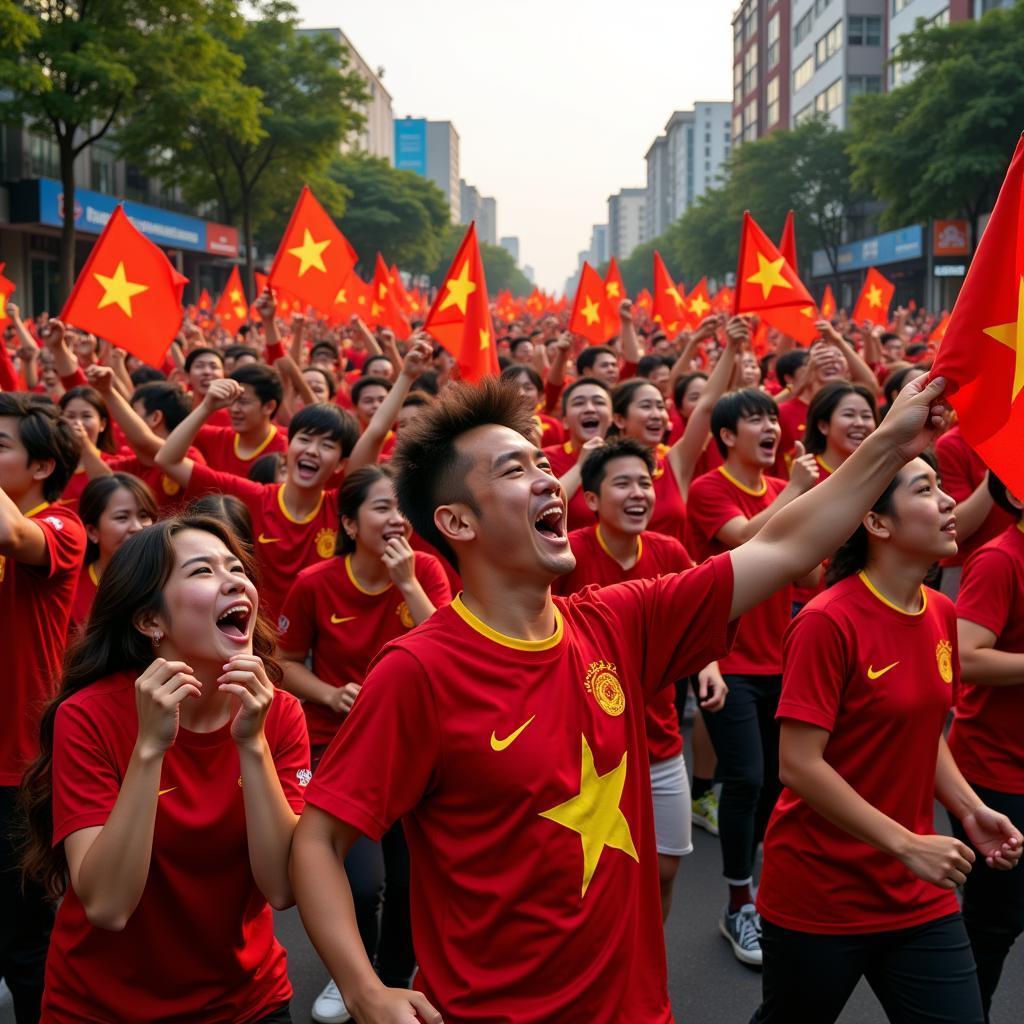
{"points": [[612, 289], [1012, 335], [769, 275], [875, 296], [699, 305], [591, 310], [118, 290], [459, 290], [310, 253], [595, 814]]}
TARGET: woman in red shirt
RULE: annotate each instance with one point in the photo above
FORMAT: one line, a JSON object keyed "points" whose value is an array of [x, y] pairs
{"points": [[83, 407], [855, 881], [839, 417], [163, 802]]}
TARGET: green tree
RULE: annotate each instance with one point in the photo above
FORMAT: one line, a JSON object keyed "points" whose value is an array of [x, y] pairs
{"points": [[78, 70], [499, 267], [399, 213], [938, 146]]}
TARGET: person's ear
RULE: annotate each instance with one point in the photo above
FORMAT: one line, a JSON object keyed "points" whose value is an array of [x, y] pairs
{"points": [[877, 526], [592, 500], [456, 523]]}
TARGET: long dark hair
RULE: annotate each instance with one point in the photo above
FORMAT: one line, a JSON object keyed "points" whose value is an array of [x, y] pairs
{"points": [[132, 585], [96, 497], [351, 496], [824, 404]]}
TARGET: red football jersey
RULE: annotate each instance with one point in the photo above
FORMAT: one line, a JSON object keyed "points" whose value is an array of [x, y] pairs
{"points": [[562, 458], [987, 738], [715, 498], [594, 565], [793, 424], [519, 772], [168, 493], [283, 544], [669, 515], [85, 594], [201, 910], [880, 681], [961, 471], [219, 446], [551, 431], [35, 608], [345, 626]]}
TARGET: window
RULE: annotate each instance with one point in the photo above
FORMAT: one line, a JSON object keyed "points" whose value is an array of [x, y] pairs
{"points": [[750, 19], [820, 6], [737, 35], [803, 74], [898, 5], [750, 120], [865, 31], [803, 28], [102, 158], [803, 114], [829, 44], [942, 18], [750, 71], [707, 151], [829, 99], [737, 83], [857, 85], [44, 156], [135, 186], [773, 41], [772, 102], [737, 126]]}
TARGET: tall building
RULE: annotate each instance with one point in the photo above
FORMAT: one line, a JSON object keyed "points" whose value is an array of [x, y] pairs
{"points": [[431, 149], [469, 202], [598, 253], [488, 223], [657, 214], [377, 136], [626, 221], [838, 54], [760, 67], [510, 243], [482, 209]]}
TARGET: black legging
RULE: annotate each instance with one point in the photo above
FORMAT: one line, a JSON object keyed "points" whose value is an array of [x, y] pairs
{"points": [[922, 974], [993, 900]]}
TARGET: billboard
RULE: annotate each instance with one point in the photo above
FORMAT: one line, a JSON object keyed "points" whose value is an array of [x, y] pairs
{"points": [[411, 145]]}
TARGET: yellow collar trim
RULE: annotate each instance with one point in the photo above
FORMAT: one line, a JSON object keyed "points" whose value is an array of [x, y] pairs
{"points": [[604, 546], [483, 629], [92, 574], [743, 487], [863, 576], [291, 519], [1020, 525], [259, 451], [35, 511], [824, 465], [357, 584]]}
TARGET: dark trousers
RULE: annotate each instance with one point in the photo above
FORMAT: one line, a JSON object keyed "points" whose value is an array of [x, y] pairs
{"points": [[746, 741], [993, 903], [282, 1015], [26, 920], [922, 974]]}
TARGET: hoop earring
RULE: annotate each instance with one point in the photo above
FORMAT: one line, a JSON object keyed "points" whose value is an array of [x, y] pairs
{"points": [[156, 638]]}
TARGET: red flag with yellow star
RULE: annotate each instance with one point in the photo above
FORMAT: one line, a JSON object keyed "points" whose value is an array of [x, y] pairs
{"points": [[128, 292], [796, 322], [828, 303], [669, 299], [401, 295], [787, 244], [6, 291], [351, 299], [205, 302], [764, 280], [874, 300], [591, 315], [722, 301], [698, 303], [384, 308], [614, 289], [313, 257], [460, 318], [982, 353], [939, 330], [644, 300], [232, 309]]}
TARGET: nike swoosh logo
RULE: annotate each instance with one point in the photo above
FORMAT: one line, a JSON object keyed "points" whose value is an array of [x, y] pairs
{"points": [[497, 744], [171, 790], [872, 674], [268, 540], [339, 620]]}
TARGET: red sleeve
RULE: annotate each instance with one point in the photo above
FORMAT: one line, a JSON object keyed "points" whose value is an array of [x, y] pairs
{"points": [[385, 756], [431, 576], [814, 669], [710, 507], [9, 380], [206, 480], [74, 380], [275, 351], [553, 398], [295, 625], [208, 437], [628, 370], [289, 746], [65, 541], [954, 458], [987, 589]]}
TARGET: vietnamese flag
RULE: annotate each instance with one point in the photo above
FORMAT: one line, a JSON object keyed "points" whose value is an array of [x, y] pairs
{"points": [[205, 302], [535, 303], [795, 322], [313, 257], [723, 300], [351, 299], [669, 301], [982, 353], [460, 319], [644, 300], [232, 309], [874, 300], [614, 288], [939, 330], [787, 244], [764, 280], [828, 303], [128, 292], [698, 303], [591, 314], [384, 308], [6, 291], [401, 295]]}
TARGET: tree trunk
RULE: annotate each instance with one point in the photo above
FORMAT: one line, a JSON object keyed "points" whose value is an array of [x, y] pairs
{"points": [[66, 264], [249, 280]]}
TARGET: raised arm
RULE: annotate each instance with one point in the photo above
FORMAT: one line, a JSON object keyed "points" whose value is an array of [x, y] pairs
{"points": [[143, 441], [860, 372], [627, 332]]}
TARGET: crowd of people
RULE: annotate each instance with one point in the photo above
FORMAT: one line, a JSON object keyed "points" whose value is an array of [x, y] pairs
{"points": [[298, 617]]}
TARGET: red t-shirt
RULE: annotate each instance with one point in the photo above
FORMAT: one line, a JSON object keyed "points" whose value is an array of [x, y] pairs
{"points": [[328, 612], [880, 681], [167, 492], [987, 738], [283, 544], [594, 565], [962, 471], [793, 424], [714, 500], [551, 431], [85, 595], [200, 945], [562, 458], [219, 446], [35, 607], [519, 772], [669, 515]]}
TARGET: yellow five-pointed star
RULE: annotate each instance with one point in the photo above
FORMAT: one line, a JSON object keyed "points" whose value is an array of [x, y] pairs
{"points": [[310, 253], [595, 814], [673, 294], [235, 295], [699, 305], [118, 290], [239, 311], [459, 290], [376, 310], [1012, 335], [612, 289], [769, 275], [591, 310], [339, 299], [875, 296], [485, 338]]}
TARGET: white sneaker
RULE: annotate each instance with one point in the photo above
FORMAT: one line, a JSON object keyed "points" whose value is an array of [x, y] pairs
{"points": [[329, 1007], [742, 929]]}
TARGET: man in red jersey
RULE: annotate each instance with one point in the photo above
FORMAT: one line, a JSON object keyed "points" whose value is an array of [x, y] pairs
{"points": [[507, 732], [42, 544]]}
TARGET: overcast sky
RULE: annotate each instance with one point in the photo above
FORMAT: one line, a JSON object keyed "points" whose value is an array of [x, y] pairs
{"points": [[555, 101]]}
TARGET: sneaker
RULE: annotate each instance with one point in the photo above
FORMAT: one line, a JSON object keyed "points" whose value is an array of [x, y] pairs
{"points": [[330, 1008], [705, 812], [741, 929]]}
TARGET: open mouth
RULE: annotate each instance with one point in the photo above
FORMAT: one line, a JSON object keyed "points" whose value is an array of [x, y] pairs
{"points": [[856, 436], [949, 527], [389, 534], [767, 445], [637, 512], [307, 468], [550, 524], [234, 622], [590, 424]]}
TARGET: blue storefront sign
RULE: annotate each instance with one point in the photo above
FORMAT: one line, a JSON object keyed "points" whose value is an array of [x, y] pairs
{"points": [[411, 145], [892, 247]]}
